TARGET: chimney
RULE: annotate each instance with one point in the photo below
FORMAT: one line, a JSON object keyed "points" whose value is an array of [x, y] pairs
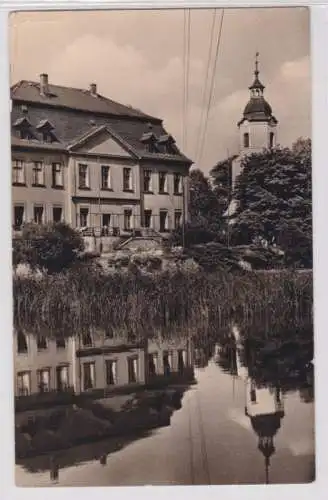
{"points": [[93, 89], [44, 87]]}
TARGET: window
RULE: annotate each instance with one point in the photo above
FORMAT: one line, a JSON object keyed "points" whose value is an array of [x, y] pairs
{"points": [[105, 177], [127, 220], [21, 342], [18, 216], [167, 362], [253, 395], [38, 174], [41, 343], [60, 343], [148, 218], [105, 224], [177, 218], [133, 370], [48, 136], [182, 360], [162, 182], [57, 214], [111, 372], [25, 133], [153, 364], [177, 184], [57, 175], [88, 376], [84, 216], [38, 211], [271, 139], [163, 221], [62, 378], [246, 140], [43, 377], [23, 383], [87, 339], [83, 176], [127, 179], [147, 181], [18, 172]]}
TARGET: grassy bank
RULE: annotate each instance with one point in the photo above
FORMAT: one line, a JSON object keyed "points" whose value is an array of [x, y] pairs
{"points": [[137, 305]]}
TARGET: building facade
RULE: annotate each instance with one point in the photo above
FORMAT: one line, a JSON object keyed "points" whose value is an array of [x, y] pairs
{"points": [[98, 165], [42, 364], [94, 361]]}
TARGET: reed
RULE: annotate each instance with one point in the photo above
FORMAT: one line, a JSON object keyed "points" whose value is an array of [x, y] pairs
{"points": [[138, 304]]}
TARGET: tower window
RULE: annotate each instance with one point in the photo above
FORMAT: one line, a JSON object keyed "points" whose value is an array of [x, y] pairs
{"points": [[271, 139], [246, 140]]}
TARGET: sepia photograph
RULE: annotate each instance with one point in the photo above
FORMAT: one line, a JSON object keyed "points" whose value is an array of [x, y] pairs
{"points": [[161, 206]]}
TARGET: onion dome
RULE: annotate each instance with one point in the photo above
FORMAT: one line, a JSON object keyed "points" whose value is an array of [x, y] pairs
{"points": [[257, 108]]}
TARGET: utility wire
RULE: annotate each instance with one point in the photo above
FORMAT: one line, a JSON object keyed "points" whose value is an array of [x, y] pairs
{"points": [[186, 71], [211, 88], [206, 81]]}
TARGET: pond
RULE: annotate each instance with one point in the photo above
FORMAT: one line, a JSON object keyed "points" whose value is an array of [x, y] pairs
{"points": [[247, 419]]}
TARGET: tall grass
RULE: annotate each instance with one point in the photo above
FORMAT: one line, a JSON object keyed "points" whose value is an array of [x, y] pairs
{"points": [[139, 305]]}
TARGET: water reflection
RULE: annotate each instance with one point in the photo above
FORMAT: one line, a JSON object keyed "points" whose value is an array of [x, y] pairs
{"points": [[266, 372], [267, 369]]}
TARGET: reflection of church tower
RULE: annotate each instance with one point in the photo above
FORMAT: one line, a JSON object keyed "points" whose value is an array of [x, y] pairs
{"points": [[265, 409], [257, 128], [263, 405]]}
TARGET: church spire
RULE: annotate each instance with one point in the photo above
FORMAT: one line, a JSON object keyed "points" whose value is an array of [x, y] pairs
{"points": [[257, 87]]}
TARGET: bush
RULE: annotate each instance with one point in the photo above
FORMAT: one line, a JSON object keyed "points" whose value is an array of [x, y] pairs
{"points": [[51, 247]]}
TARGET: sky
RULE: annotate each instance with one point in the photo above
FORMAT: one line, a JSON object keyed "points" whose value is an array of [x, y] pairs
{"points": [[136, 58]]}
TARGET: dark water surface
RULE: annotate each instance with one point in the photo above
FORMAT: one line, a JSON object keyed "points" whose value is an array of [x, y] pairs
{"points": [[243, 422]]}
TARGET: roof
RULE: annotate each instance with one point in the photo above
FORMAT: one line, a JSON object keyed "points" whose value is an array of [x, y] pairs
{"points": [[72, 98], [75, 116], [257, 109]]}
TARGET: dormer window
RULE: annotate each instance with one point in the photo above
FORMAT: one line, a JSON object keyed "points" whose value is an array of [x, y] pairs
{"points": [[23, 126], [149, 140], [167, 143], [47, 131]]}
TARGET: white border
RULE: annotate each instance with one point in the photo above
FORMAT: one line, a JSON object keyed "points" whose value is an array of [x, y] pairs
{"points": [[319, 40]]}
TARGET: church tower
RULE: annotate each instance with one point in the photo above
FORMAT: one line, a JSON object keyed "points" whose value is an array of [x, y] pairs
{"points": [[258, 126]]}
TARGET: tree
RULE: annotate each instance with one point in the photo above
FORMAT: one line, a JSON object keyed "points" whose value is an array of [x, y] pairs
{"points": [[274, 201], [204, 206], [221, 174], [205, 214], [52, 247]]}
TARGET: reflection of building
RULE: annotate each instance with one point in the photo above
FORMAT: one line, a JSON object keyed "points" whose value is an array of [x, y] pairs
{"points": [[42, 365], [263, 405], [105, 362], [265, 409], [169, 357], [94, 361]]}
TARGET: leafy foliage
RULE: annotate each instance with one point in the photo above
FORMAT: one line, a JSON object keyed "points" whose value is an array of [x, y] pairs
{"points": [[274, 196], [52, 247], [221, 174], [206, 221]]}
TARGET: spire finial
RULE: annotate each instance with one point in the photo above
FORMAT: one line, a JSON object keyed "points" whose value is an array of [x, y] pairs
{"points": [[257, 64]]}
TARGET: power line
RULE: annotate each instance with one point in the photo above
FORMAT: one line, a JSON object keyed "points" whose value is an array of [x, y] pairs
{"points": [[211, 88], [206, 81], [186, 71]]}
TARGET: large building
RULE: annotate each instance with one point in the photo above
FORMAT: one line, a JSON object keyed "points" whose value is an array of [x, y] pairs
{"points": [[82, 158]]}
